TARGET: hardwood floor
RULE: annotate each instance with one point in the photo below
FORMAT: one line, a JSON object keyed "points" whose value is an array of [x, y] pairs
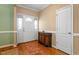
{"points": [[30, 48]]}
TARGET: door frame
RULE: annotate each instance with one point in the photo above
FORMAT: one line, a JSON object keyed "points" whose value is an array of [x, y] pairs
{"points": [[25, 15], [15, 24], [72, 22]]}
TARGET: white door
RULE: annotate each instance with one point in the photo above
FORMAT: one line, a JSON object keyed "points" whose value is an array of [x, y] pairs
{"points": [[29, 28], [19, 28], [64, 30]]}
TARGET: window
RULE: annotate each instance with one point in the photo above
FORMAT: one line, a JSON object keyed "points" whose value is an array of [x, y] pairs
{"points": [[36, 24], [19, 23], [28, 19]]}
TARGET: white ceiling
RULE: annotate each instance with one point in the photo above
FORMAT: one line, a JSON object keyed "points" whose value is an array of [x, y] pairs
{"points": [[36, 7]]}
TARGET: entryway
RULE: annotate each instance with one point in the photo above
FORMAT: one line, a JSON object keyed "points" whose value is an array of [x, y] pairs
{"points": [[27, 28]]}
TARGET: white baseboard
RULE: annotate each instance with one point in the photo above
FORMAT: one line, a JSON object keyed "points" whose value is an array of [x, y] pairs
{"points": [[14, 45], [6, 45], [54, 46]]}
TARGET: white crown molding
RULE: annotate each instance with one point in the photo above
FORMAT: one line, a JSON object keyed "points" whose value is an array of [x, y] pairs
{"points": [[36, 10]]}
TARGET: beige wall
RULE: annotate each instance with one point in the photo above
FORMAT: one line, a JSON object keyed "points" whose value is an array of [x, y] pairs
{"points": [[76, 18], [26, 11], [76, 45], [76, 28], [47, 18]]}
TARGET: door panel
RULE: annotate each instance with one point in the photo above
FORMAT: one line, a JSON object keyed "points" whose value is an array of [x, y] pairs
{"points": [[29, 28], [64, 21], [64, 42], [64, 29]]}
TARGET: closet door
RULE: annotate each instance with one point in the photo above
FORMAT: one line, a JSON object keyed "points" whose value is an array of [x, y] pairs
{"points": [[64, 29]]}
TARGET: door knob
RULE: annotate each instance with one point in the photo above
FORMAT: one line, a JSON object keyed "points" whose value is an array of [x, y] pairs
{"points": [[69, 33], [23, 30]]}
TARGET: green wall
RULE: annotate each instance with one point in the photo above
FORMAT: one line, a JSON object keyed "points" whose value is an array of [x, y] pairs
{"points": [[6, 23]]}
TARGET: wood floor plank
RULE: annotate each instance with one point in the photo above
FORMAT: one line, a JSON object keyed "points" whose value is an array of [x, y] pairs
{"points": [[30, 48]]}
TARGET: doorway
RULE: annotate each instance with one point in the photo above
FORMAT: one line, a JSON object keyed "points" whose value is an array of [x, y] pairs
{"points": [[27, 28]]}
